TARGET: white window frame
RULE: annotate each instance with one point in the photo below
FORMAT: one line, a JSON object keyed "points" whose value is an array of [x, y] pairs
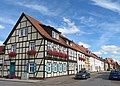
{"points": [[53, 34], [14, 46], [32, 46], [23, 32]]}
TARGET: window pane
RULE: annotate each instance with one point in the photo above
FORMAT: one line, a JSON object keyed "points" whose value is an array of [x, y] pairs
{"points": [[32, 46], [14, 47], [26, 31]]}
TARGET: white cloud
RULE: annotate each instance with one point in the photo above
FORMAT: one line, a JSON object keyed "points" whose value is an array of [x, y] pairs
{"points": [[2, 27], [108, 4], [7, 20], [85, 44], [1, 42], [98, 53], [89, 21], [109, 49], [71, 27], [35, 6], [109, 31]]}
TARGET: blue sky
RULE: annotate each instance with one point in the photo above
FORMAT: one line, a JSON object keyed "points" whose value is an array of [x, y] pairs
{"points": [[93, 23]]}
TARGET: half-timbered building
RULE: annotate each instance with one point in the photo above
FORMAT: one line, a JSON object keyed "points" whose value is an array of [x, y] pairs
{"points": [[39, 50], [35, 50]]}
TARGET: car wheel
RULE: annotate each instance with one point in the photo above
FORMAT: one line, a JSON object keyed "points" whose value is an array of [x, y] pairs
{"points": [[86, 77]]}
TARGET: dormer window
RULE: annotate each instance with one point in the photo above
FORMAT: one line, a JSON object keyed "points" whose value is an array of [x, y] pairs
{"points": [[23, 32], [55, 35], [70, 44], [67, 42]]}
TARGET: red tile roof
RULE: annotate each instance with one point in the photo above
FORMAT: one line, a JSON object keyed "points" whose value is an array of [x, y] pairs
{"points": [[62, 39], [110, 60], [44, 33]]}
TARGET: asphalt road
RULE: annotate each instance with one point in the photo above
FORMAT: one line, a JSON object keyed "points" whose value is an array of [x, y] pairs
{"points": [[98, 80]]}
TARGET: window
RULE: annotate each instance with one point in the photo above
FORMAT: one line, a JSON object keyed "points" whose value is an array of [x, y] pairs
{"points": [[55, 47], [67, 42], [32, 68], [70, 44], [48, 67], [26, 31], [55, 35], [49, 45], [32, 46], [23, 32], [14, 47], [60, 67], [54, 67], [64, 67]]}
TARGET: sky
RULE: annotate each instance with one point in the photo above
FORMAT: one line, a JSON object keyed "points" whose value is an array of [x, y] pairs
{"points": [[92, 23]]}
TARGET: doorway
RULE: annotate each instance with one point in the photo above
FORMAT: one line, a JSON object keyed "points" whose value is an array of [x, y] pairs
{"points": [[12, 68]]}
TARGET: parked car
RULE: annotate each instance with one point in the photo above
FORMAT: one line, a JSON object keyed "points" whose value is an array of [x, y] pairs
{"points": [[83, 74], [114, 75]]}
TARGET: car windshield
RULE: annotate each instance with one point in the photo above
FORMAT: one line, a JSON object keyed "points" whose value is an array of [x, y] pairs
{"points": [[82, 71], [115, 72]]}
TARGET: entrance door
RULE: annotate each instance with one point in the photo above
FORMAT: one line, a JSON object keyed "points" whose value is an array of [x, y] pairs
{"points": [[12, 68]]}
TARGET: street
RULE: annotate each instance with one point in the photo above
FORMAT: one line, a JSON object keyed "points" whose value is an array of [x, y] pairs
{"points": [[100, 79]]}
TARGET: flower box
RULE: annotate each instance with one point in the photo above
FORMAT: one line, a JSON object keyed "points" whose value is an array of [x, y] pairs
{"points": [[31, 52], [50, 52], [82, 59], [57, 54], [66, 56], [12, 54]]}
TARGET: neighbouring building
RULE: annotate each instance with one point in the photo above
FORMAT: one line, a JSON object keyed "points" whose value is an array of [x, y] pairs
{"points": [[112, 64], [1, 59]]}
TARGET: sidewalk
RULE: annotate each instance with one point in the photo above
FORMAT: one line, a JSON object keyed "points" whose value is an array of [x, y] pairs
{"points": [[49, 81], [57, 81], [19, 80]]}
